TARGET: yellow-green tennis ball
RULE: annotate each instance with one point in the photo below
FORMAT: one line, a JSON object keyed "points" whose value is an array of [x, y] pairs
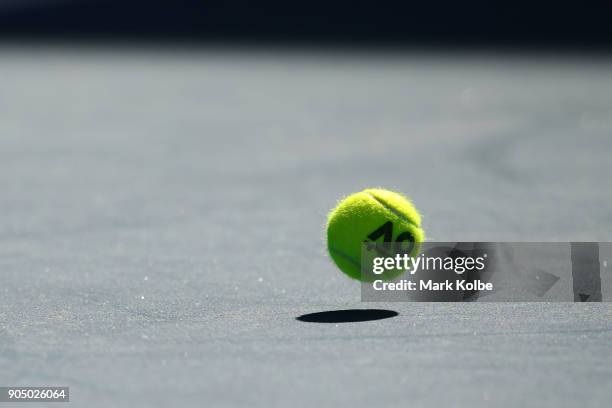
{"points": [[377, 216]]}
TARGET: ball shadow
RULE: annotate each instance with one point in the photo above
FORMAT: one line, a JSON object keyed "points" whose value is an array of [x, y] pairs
{"points": [[347, 316]]}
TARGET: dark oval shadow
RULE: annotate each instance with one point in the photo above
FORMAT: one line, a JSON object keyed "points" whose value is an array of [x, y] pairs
{"points": [[347, 316]]}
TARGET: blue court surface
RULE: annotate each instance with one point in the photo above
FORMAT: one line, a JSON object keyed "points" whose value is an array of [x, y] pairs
{"points": [[162, 224]]}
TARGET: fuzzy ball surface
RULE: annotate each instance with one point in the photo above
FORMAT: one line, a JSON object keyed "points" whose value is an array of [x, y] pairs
{"points": [[384, 221]]}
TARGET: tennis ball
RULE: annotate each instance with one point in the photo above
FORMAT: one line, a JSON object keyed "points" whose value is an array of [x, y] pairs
{"points": [[386, 220]]}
